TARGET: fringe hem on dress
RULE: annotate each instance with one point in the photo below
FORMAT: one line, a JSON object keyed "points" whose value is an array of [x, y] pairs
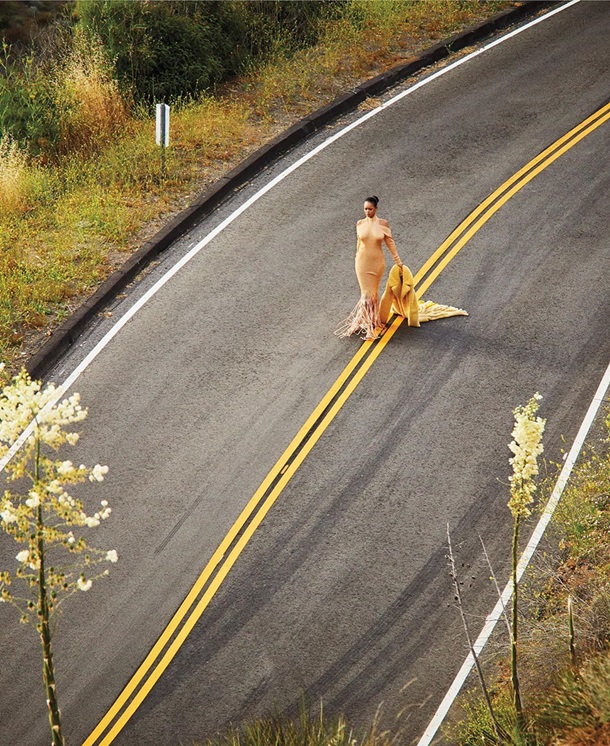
{"points": [[362, 321]]}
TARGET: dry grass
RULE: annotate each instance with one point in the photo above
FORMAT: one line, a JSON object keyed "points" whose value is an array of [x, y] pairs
{"points": [[593, 736], [90, 105], [309, 729], [580, 704], [65, 225], [17, 179]]}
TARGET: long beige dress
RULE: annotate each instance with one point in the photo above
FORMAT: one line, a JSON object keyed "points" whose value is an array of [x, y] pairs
{"points": [[370, 264]]}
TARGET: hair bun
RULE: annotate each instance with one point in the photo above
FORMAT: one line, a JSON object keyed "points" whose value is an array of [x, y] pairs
{"points": [[373, 200]]}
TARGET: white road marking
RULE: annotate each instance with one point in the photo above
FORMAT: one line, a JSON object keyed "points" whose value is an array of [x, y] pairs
{"points": [[524, 561]]}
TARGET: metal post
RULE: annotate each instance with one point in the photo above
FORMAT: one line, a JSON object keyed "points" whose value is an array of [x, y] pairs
{"points": [[162, 133]]}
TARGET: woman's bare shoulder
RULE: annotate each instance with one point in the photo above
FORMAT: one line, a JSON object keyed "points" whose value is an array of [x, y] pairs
{"points": [[383, 221]]}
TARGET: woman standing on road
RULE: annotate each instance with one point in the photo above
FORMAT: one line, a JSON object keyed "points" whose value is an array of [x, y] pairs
{"points": [[371, 232]]}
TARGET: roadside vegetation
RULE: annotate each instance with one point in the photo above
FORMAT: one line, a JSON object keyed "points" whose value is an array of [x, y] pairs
{"points": [[80, 182], [311, 728], [48, 524], [564, 643]]}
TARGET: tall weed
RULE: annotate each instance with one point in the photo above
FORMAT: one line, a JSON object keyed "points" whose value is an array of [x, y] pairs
{"points": [[90, 106], [14, 187], [568, 697]]}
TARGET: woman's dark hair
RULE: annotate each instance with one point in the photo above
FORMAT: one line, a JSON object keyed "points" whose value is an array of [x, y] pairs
{"points": [[373, 200]]}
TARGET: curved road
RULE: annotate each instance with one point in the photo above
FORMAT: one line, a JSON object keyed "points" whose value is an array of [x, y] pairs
{"points": [[342, 592]]}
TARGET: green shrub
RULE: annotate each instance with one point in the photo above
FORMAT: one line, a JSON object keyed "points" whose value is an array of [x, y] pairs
{"points": [[164, 50], [20, 20], [281, 27], [177, 49], [27, 107]]}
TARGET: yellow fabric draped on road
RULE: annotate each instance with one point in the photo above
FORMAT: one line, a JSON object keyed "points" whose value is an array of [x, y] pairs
{"points": [[399, 297]]}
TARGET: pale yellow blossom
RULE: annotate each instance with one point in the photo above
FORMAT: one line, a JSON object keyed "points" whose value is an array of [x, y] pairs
{"points": [[98, 472], [33, 500], [8, 516], [33, 424], [65, 468], [526, 447]]}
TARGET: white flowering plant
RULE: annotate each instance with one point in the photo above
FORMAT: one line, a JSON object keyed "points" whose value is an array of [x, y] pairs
{"points": [[44, 517], [48, 522], [526, 447]]}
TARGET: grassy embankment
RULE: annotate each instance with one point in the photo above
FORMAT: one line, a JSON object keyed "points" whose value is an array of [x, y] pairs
{"points": [[67, 221]]}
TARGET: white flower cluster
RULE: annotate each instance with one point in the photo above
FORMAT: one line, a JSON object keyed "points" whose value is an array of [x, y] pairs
{"points": [[82, 584], [526, 447], [45, 516], [25, 402], [8, 513], [97, 473], [27, 558]]}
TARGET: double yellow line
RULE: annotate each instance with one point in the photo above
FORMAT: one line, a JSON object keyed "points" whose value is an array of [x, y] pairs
{"points": [[225, 556]]}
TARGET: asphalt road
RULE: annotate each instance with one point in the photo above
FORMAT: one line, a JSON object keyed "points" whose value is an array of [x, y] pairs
{"points": [[342, 592]]}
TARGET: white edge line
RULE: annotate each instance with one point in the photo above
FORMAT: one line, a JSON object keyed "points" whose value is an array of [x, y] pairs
{"points": [[109, 336], [524, 561]]}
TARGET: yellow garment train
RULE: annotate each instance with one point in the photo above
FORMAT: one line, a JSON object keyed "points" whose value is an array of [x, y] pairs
{"points": [[399, 297]]}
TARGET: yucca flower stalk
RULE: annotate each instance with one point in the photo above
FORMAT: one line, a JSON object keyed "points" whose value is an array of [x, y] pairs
{"points": [[526, 446], [43, 517]]}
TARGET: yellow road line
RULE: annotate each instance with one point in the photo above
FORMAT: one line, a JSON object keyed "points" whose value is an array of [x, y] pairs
{"points": [[552, 157], [286, 465], [243, 541], [221, 550], [504, 187]]}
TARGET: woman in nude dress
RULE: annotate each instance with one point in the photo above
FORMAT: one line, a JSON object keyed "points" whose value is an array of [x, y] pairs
{"points": [[370, 265]]}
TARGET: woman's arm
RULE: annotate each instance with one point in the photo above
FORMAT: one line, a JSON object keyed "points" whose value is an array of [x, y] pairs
{"points": [[387, 235]]}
